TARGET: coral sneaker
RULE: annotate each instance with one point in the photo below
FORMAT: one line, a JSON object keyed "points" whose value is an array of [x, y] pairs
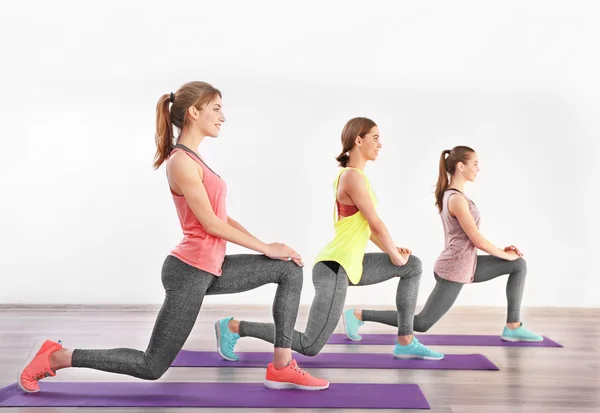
{"points": [[37, 365], [292, 377]]}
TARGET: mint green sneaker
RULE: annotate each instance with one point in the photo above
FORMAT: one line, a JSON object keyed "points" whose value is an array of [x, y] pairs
{"points": [[351, 325], [416, 350], [226, 340], [520, 334]]}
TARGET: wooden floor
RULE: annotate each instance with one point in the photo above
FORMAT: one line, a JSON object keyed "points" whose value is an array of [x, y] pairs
{"points": [[530, 379]]}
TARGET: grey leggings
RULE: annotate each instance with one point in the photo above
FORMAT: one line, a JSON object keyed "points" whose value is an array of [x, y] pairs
{"points": [[445, 293], [331, 284], [185, 288]]}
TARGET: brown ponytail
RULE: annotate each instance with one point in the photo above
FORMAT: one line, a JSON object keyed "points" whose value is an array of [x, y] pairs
{"points": [[197, 94], [447, 167], [353, 128], [164, 131]]}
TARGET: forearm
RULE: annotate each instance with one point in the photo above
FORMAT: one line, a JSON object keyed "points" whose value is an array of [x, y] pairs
{"points": [[486, 246], [238, 226], [376, 241], [232, 234], [386, 243]]}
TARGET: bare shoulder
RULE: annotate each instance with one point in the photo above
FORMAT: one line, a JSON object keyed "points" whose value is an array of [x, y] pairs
{"points": [[352, 178]]}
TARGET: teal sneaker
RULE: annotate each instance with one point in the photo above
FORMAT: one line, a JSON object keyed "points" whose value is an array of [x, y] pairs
{"points": [[416, 350], [226, 340], [520, 334], [351, 325]]}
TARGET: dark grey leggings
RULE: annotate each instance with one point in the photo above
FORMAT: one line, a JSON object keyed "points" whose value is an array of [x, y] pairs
{"points": [[185, 288], [331, 284], [445, 293]]}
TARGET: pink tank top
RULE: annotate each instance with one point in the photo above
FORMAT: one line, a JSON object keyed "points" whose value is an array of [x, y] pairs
{"points": [[198, 248], [458, 260]]}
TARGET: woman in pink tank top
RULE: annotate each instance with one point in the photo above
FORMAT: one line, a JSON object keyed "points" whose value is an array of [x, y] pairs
{"points": [[198, 265], [459, 264]]}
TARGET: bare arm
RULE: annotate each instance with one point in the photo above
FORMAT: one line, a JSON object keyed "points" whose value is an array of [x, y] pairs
{"points": [[376, 241], [183, 171], [459, 207], [238, 226], [355, 186]]}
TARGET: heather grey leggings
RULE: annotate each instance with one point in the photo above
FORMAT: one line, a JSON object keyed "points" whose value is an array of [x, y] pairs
{"points": [[445, 293], [331, 284], [185, 288]]}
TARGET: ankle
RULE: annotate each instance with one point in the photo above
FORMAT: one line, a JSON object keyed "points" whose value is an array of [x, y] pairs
{"points": [[513, 326], [405, 340], [358, 314], [61, 359], [234, 326], [281, 357]]}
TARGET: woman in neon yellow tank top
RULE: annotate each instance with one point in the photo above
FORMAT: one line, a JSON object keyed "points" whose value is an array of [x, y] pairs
{"points": [[343, 262]]}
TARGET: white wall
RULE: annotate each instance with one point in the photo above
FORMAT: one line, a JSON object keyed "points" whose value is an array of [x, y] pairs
{"points": [[85, 219]]}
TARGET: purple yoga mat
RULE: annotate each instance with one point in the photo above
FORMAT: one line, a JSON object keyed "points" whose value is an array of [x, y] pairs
{"points": [[441, 340], [337, 361], [253, 395]]}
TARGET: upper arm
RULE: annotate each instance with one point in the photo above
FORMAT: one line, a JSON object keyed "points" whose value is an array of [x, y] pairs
{"points": [[459, 207], [184, 173], [354, 184]]}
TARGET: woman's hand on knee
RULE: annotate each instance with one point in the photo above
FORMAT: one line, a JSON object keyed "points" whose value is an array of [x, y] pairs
{"points": [[279, 251], [515, 249]]}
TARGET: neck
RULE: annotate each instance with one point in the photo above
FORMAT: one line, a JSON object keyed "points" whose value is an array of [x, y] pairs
{"points": [[457, 183], [191, 139], [357, 162]]}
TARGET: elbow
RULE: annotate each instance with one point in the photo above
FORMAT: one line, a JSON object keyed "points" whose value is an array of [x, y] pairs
{"points": [[212, 227], [478, 242]]}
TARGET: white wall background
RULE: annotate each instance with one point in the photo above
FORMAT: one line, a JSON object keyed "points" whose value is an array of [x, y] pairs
{"points": [[85, 219]]}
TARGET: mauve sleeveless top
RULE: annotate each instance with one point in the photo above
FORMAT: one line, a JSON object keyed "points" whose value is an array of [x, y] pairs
{"points": [[458, 260]]}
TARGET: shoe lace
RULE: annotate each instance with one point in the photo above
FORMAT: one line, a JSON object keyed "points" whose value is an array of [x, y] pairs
{"points": [[298, 370], [46, 372], [42, 375]]}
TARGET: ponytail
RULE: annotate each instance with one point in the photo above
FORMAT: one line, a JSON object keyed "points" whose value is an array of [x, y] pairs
{"points": [[442, 183], [343, 159], [164, 130], [448, 167]]}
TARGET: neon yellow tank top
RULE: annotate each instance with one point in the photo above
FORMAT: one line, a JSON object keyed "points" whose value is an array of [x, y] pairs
{"points": [[351, 237]]}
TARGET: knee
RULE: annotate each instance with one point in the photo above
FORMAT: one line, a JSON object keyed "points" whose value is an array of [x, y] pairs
{"points": [[154, 372], [312, 351], [520, 265], [413, 268], [292, 274], [420, 326]]}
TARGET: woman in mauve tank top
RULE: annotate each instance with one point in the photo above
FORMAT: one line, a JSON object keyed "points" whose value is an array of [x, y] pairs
{"points": [[459, 264]]}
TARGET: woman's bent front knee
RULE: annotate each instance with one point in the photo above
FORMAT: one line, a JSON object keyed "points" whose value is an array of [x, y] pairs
{"points": [[520, 264], [413, 268], [291, 274]]}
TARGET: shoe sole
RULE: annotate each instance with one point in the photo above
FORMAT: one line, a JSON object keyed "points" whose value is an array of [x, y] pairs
{"points": [[411, 357], [346, 329], [32, 353], [218, 333], [277, 385], [515, 340]]}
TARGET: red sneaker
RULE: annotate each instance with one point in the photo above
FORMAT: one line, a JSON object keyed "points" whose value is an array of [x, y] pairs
{"points": [[292, 377], [37, 365]]}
